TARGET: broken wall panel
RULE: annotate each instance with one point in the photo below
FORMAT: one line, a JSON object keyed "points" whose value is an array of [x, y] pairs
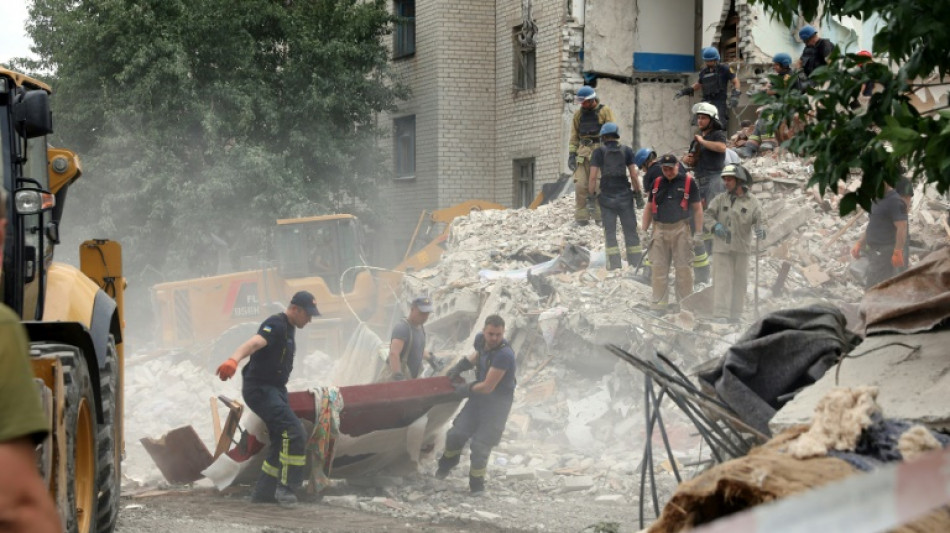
{"points": [[660, 121]]}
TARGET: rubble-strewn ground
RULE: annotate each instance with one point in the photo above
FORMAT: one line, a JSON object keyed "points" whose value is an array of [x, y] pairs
{"points": [[574, 442]]}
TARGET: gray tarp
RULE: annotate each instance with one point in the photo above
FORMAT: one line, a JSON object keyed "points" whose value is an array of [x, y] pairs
{"points": [[913, 301], [779, 354]]}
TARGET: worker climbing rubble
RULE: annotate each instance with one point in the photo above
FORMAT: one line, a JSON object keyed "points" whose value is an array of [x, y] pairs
{"points": [[714, 80], [585, 138], [883, 241]]}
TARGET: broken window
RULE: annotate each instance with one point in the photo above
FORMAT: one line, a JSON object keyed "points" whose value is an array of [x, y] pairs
{"points": [[524, 182], [404, 36], [404, 135], [525, 49]]}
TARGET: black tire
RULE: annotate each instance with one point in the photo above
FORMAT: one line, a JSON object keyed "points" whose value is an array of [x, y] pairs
{"points": [[80, 515], [109, 464]]}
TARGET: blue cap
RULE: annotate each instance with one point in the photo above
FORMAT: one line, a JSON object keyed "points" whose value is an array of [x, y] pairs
{"points": [[423, 303], [807, 32], [305, 301]]}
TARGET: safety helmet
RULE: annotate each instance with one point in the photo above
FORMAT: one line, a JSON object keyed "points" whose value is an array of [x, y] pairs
{"points": [[643, 155], [782, 59], [705, 108], [736, 171], [865, 53], [584, 93], [710, 54], [807, 32], [609, 128]]}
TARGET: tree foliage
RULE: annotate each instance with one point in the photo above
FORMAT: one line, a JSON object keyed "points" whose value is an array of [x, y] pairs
{"points": [[202, 121], [911, 47]]}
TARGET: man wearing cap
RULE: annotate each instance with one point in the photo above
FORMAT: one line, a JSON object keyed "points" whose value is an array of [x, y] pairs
{"points": [[672, 199], [883, 240], [271, 351], [732, 217], [816, 52], [585, 137], [408, 342]]}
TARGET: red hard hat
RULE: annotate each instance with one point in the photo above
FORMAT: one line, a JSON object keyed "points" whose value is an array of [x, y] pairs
{"points": [[865, 53]]}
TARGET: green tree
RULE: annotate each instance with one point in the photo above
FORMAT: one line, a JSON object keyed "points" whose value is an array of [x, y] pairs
{"points": [[205, 120], [892, 132]]}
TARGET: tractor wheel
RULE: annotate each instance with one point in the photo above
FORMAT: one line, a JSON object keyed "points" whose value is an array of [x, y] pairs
{"points": [[109, 475], [79, 422]]}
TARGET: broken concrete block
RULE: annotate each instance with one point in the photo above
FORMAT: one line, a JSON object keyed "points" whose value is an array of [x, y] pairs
{"points": [[520, 473], [485, 515], [350, 500], [611, 498], [576, 483], [815, 275]]}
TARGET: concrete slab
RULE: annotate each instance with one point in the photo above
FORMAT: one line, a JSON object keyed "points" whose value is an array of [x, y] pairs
{"points": [[911, 371]]}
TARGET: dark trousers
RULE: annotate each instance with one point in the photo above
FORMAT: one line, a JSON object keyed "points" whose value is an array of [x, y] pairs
{"points": [[723, 110], [612, 208], [879, 264], [286, 457], [483, 421]]}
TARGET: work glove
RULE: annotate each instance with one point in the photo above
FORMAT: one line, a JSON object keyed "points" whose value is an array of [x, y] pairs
{"points": [[734, 100], [856, 250], [638, 199], [456, 371], [760, 233], [399, 376], [463, 390], [685, 91], [227, 369], [572, 161], [720, 231], [897, 259]]}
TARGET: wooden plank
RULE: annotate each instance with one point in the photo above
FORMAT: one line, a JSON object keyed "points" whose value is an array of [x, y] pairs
{"points": [[779, 286], [226, 437], [834, 238], [215, 419]]}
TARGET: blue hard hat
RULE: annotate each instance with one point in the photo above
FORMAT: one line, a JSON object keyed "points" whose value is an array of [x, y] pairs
{"points": [[585, 93], [807, 32], [782, 59], [609, 128], [710, 54], [642, 155]]}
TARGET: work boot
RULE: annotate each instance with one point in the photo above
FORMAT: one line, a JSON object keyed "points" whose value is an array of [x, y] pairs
{"points": [[581, 223], [476, 485], [264, 490], [446, 465], [285, 496]]}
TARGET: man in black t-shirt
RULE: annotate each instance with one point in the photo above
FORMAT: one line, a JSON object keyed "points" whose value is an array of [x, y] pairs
{"points": [[271, 353], [816, 52], [883, 240], [610, 163]]}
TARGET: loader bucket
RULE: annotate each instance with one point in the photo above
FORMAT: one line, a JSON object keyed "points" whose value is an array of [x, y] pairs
{"points": [[179, 454]]}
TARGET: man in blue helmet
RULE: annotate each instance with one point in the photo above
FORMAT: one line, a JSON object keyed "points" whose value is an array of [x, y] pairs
{"points": [[816, 52], [585, 137], [715, 79], [613, 164]]}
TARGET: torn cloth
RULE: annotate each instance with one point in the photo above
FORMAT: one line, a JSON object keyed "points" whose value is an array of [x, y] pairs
{"points": [[328, 403], [779, 354], [913, 301]]}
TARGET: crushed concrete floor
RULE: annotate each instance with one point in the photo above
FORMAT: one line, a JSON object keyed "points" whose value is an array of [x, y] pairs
{"points": [[576, 433]]}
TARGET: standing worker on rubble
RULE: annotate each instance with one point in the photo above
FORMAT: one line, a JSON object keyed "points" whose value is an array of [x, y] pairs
{"points": [[25, 503], [707, 156], [585, 137], [733, 217], [816, 52], [407, 347], [271, 351], [490, 397], [673, 198], [883, 240], [610, 164], [714, 80]]}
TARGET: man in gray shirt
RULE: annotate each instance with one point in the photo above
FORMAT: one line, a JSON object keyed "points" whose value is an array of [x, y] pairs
{"points": [[407, 346]]}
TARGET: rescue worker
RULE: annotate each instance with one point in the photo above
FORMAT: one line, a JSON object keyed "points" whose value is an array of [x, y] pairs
{"points": [[734, 217], [585, 138], [271, 353], [673, 198], [715, 79], [645, 159], [610, 164], [782, 65], [905, 188], [490, 396], [25, 502], [883, 240], [408, 342], [816, 52], [707, 155]]}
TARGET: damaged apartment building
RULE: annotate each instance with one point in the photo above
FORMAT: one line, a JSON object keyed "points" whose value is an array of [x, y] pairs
{"points": [[493, 82]]}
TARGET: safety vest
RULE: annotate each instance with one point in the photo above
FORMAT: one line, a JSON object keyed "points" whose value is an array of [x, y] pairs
{"points": [[614, 160], [656, 189], [589, 125], [811, 59], [713, 83]]}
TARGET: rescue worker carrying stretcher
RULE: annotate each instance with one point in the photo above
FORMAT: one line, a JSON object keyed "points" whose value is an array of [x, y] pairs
{"points": [[610, 164], [585, 137], [714, 80]]}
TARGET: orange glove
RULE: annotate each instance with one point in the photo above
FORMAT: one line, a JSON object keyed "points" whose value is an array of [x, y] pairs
{"points": [[897, 259], [227, 369], [856, 250]]}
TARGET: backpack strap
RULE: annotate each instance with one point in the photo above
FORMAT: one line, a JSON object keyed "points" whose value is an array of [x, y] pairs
{"points": [[685, 203], [656, 189]]}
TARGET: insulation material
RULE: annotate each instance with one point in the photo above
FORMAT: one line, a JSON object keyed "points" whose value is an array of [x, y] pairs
{"points": [[840, 417], [916, 441]]}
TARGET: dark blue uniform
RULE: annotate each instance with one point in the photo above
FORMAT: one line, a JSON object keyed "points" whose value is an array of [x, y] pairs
{"points": [[484, 416], [715, 82], [265, 393], [616, 201]]}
